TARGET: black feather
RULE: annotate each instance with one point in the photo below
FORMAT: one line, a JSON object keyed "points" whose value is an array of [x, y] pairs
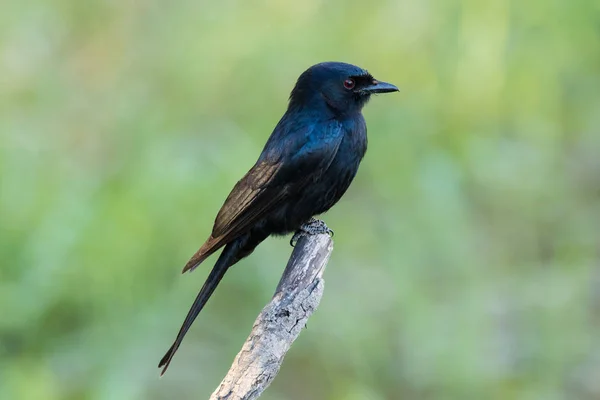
{"points": [[306, 166]]}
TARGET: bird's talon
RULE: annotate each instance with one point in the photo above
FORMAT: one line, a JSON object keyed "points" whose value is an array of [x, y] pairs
{"points": [[312, 227], [294, 240]]}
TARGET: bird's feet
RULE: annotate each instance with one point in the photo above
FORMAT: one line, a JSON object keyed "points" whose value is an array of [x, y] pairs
{"points": [[312, 227]]}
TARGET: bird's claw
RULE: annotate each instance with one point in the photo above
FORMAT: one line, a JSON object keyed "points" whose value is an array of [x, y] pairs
{"points": [[297, 235], [312, 227]]}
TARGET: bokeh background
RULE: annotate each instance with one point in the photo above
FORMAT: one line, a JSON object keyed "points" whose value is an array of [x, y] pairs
{"points": [[466, 261]]}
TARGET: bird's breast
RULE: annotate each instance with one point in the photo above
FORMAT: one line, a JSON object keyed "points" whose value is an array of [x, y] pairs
{"points": [[335, 180], [329, 186]]}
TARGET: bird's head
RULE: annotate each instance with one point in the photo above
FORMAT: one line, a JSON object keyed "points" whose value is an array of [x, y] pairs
{"points": [[343, 88]]}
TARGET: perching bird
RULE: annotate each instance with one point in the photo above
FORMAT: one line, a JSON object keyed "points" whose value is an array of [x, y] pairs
{"points": [[307, 164]]}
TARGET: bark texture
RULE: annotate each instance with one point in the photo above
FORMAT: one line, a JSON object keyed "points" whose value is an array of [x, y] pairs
{"points": [[280, 322]]}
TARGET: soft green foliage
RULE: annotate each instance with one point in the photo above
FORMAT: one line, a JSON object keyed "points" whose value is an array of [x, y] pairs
{"points": [[467, 251]]}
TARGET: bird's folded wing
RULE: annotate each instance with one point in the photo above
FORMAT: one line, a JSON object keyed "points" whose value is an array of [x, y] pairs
{"points": [[267, 184]]}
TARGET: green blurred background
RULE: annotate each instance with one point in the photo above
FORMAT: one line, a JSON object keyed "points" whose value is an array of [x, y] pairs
{"points": [[466, 261]]}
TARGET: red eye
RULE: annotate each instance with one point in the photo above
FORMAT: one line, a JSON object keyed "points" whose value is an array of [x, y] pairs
{"points": [[349, 84]]}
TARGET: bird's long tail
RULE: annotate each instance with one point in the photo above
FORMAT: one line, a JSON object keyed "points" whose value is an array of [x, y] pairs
{"points": [[228, 257]]}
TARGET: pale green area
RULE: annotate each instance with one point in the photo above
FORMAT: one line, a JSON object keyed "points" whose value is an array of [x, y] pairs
{"points": [[467, 252]]}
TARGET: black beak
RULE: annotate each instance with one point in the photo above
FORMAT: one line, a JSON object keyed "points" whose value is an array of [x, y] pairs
{"points": [[380, 87]]}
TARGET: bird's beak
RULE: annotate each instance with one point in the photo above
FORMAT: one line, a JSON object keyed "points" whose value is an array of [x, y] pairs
{"points": [[380, 87]]}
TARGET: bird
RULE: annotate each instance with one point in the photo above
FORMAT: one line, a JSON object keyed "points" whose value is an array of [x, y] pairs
{"points": [[306, 165]]}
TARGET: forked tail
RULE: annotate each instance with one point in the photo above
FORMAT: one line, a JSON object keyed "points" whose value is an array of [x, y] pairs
{"points": [[227, 258]]}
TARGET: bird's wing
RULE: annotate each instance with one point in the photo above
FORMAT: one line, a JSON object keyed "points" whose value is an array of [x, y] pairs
{"points": [[281, 171]]}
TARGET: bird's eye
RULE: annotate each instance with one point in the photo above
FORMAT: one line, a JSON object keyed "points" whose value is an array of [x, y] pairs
{"points": [[349, 84]]}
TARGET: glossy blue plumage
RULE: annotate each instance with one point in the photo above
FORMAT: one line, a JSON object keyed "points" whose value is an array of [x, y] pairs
{"points": [[306, 166]]}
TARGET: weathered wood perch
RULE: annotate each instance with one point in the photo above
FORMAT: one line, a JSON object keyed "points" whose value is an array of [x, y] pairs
{"points": [[280, 322]]}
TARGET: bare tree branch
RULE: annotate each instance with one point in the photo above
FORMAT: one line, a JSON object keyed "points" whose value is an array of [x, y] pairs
{"points": [[280, 322]]}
